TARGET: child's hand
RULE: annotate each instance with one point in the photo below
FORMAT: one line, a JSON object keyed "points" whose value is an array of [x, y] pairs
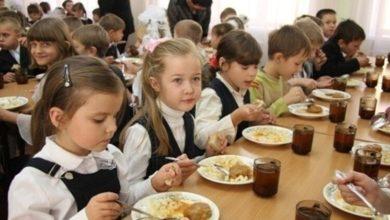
{"points": [[324, 82], [103, 206], [309, 83], [9, 77], [247, 112], [216, 144], [23, 41], [267, 118], [363, 60], [295, 95], [167, 176], [319, 59], [130, 67], [109, 59], [187, 166]]}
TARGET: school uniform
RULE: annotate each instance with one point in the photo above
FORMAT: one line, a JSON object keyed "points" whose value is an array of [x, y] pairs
{"points": [[336, 64], [57, 184], [115, 50], [141, 142], [213, 110], [18, 56], [86, 21]]}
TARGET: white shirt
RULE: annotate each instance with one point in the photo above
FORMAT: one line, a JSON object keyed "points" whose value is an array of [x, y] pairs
{"points": [[138, 148], [36, 195], [16, 54], [209, 110]]}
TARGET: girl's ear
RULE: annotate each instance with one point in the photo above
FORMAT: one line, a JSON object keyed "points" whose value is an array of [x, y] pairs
{"points": [[223, 64], [57, 116], [154, 84], [92, 51]]}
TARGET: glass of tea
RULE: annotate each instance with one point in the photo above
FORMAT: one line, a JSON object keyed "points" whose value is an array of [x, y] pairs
{"points": [[386, 83], [312, 210], [344, 137], [367, 161], [337, 111], [266, 172], [302, 139], [380, 60], [339, 83], [367, 107], [371, 79], [1, 82]]}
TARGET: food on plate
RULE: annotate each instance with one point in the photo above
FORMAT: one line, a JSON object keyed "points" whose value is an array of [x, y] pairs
{"points": [[353, 208], [198, 211], [239, 169], [335, 95], [269, 135], [313, 108]]}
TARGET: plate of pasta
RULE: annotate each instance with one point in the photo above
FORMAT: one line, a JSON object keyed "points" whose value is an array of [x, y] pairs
{"points": [[331, 94], [12, 102], [177, 205], [268, 135], [239, 168], [332, 195]]}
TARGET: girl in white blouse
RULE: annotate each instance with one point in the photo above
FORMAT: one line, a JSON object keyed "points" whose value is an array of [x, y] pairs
{"points": [[78, 174], [171, 80]]}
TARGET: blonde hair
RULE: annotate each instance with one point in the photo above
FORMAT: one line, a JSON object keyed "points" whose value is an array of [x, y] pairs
{"points": [[189, 29], [312, 30], [288, 40], [154, 65], [51, 30], [13, 22], [93, 35]]}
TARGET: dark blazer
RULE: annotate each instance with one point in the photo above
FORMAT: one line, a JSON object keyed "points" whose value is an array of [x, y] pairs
{"points": [[7, 61], [336, 65], [120, 8]]}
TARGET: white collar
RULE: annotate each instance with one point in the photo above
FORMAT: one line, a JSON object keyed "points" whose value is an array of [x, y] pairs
{"points": [[68, 160], [168, 112], [241, 92], [17, 50]]}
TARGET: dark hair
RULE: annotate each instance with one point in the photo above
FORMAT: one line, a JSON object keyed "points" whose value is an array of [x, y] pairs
{"points": [[93, 35], [239, 46], [317, 20], [288, 40], [325, 11], [222, 29], [34, 8], [73, 23], [45, 7], [79, 6], [226, 12], [65, 2], [96, 11], [112, 22], [348, 31], [88, 76], [204, 3]]}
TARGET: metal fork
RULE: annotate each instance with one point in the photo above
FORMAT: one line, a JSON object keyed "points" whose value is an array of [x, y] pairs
{"points": [[353, 189]]}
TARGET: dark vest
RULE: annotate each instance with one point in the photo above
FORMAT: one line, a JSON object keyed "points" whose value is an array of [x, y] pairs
{"points": [[229, 103], [157, 161], [82, 186]]}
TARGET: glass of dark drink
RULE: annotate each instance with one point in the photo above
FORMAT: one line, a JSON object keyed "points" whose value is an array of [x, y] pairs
{"points": [[367, 161], [312, 210], [302, 139], [1, 82], [367, 107], [380, 60], [266, 172], [344, 137], [371, 79], [386, 83], [337, 111], [339, 83], [20, 75]]}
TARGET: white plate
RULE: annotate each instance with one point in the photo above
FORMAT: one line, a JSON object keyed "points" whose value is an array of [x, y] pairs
{"points": [[363, 70], [353, 83], [385, 151], [12, 102], [385, 129], [299, 109], [210, 173], [321, 93], [152, 202], [332, 195], [268, 135], [39, 76], [135, 60]]}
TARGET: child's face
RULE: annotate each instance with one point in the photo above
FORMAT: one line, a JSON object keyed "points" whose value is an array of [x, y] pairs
{"points": [[35, 16], [45, 53], [92, 125], [214, 40], [116, 36], [329, 21], [292, 65], [350, 48], [79, 48], [314, 49], [8, 37], [179, 86], [95, 18], [239, 76], [78, 13], [69, 6]]}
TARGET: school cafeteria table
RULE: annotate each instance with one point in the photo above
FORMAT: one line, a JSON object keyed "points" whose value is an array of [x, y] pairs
{"points": [[26, 90]]}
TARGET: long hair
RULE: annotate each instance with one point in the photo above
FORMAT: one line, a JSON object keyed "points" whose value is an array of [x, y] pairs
{"points": [[88, 76], [51, 30], [154, 65]]}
